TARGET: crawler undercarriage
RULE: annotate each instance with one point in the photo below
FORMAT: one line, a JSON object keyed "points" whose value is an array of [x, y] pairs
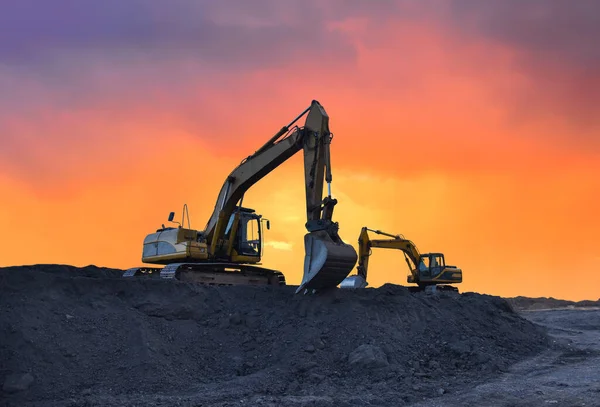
{"points": [[211, 273]]}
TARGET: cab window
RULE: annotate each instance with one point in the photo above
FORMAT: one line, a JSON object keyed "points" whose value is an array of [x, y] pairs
{"points": [[229, 225], [437, 261], [249, 238], [424, 263]]}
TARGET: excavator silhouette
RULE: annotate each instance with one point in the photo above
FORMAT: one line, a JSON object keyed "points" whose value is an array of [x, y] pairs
{"points": [[426, 270], [229, 249]]}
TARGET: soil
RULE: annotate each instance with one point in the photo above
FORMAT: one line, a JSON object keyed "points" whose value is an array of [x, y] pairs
{"points": [[567, 374], [87, 337]]}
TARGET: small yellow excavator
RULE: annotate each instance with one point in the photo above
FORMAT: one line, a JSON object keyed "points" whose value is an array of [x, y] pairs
{"points": [[228, 251], [426, 270]]}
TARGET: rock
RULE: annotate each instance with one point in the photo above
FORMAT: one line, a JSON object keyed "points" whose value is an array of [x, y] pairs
{"points": [[235, 319], [17, 382], [434, 364], [252, 322], [309, 349], [316, 377], [441, 391], [461, 348], [368, 356], [293, 387], [308, 366], [482, 358]]}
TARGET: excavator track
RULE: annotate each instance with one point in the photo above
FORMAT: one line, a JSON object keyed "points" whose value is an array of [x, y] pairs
{"points": [[211, 274], [433, 288], [149, 272]]}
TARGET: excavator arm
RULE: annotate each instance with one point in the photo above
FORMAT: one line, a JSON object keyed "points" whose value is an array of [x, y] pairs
{"points": [[365, 243], [328, 260]]}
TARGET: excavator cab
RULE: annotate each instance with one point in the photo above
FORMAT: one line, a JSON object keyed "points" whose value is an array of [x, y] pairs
{"points": [[436, 263], [431, 264], [432, 269], [248, 239]]}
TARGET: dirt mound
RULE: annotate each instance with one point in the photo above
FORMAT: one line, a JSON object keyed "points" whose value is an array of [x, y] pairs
{"points": [[68, 271], [103, 340], [531, 304]]}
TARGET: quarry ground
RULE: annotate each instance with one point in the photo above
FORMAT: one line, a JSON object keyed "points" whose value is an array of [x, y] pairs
{"points": [[567, 374], [86, 337]]}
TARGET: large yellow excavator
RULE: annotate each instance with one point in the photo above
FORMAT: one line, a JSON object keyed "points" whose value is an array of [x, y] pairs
{"points": [[228, 251], [429, 269]]}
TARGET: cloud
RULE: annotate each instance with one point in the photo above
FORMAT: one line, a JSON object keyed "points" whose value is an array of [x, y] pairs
{"points": [[547, 28], [229, 34], [285, 246], [90, 48], [553, 45], [150, 62], [87, 80]]}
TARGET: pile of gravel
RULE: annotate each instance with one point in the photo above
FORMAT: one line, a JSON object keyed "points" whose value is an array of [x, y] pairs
{"points": [[87, 337]]}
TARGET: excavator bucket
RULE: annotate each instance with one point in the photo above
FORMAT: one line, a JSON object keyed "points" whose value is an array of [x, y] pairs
{"points": [[326, 263]]}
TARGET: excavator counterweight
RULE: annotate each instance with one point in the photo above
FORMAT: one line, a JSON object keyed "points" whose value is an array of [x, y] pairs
{"points": [[228, 251]]}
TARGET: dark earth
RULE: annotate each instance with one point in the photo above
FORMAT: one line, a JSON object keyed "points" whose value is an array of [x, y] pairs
{"points": [[87, 337]]}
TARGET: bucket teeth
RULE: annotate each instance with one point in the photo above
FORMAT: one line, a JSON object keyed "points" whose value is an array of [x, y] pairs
{"points": [[326, 263]]}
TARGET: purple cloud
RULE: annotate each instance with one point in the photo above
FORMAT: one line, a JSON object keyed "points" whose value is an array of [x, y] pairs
{"points": [[71, 55], [226, 34], [556, 48]]}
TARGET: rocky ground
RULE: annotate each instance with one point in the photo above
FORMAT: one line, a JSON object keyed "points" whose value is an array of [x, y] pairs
{"points": [[86, 337], [566, 374]]}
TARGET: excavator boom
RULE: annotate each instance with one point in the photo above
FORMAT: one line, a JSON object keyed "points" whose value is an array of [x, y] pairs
{"points": [[328, 260]]}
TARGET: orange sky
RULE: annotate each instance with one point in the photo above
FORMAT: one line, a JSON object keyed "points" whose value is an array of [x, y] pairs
{"points": [[484, 146]]}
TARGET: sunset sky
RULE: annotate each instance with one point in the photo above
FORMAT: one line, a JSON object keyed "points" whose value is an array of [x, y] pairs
{"points": [[471, 127]]}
